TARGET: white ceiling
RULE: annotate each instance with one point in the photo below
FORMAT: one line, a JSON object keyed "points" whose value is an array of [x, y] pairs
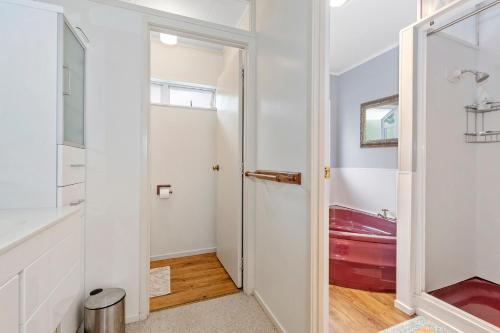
{"points": [[363, 29], [226, 12]]}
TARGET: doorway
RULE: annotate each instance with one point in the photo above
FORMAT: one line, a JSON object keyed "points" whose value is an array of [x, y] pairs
{"points": [[196, 167], [362, 212]]}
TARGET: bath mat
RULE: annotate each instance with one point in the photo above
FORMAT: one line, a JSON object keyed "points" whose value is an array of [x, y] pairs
{"points": [[159, 281], [416, 325]]}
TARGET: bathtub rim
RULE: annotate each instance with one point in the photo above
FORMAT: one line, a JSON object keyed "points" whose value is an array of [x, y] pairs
{"points": [[363, 237], [385, 239]]}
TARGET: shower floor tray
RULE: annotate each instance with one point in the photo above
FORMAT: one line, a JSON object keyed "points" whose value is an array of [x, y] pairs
{"points": [[476, 296]]}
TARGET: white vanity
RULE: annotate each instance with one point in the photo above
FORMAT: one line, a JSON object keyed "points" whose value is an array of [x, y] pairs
{"points": [[42, 169], [41, 280]]}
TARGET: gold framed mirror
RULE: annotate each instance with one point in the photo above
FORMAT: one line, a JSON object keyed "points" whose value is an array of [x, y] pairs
{"points": [[379, 122]]}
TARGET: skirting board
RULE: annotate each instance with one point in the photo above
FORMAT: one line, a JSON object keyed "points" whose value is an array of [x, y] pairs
{"points": [[404, 308], [183, 254], [132, 319], [268, 312]]}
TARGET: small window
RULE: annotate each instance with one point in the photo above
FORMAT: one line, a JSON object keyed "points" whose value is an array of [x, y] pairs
{"points": [[185, 95]]}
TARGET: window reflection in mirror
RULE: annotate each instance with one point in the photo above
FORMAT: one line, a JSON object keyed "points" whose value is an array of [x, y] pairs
{"points": [[379, 122]]}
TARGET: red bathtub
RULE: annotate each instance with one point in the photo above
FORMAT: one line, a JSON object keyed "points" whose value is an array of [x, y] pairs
{"points": [[362, 250]]}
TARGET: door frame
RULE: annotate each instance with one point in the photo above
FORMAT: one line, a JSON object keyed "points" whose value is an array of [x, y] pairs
{"points": [[319, 136], [190, 28]]}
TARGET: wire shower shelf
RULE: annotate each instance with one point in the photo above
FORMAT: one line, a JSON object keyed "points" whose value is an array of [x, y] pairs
{"points": [[476, 132]]}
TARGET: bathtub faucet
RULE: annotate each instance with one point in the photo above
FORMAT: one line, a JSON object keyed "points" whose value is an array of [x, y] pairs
{"points": [[386, 214]]}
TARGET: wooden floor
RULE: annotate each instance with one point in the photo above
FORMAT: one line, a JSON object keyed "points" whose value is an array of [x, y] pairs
{"points": [[357, 311], [193, 279]]}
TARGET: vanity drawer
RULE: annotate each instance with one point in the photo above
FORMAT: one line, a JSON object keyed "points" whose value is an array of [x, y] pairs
{"points": [[71, 195], [52, 311], [44, 275], [70, 165], [9, 306]]}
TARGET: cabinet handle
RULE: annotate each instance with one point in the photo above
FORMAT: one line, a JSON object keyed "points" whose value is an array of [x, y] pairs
{"points": [[66, 81], [77, 165], [77, 202]]}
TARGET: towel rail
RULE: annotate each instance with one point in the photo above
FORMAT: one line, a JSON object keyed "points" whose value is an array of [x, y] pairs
{"points": [[276, 176]]}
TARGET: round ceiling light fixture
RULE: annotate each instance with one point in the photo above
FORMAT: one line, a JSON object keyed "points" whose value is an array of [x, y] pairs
{"points": [[168, 39], [338, 3]]}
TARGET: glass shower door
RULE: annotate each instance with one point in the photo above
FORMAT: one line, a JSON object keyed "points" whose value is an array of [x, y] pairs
{"points": [[73, 89]]}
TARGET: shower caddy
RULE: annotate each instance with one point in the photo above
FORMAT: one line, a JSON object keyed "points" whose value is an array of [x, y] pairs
{"points": [[475, 132]]}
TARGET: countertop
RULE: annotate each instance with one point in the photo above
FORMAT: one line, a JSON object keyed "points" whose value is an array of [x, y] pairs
{"points": [[19, 225]]}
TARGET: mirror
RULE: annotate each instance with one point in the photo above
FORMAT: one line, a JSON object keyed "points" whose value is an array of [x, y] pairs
{"points": [[379, 122]]}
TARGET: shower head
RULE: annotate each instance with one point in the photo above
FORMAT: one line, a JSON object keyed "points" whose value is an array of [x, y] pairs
{"points": [[480, 76]]}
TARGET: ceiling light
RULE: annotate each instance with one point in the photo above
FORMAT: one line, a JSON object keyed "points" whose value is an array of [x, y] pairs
{"points": [[338, 3], [168, 39]]}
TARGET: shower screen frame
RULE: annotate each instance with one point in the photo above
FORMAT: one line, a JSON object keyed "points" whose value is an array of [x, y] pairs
{"points": [[411, 295]]}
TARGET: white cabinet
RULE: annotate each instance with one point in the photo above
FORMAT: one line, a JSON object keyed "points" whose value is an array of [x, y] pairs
{"points": [[46, 273], [70, 165], [72, 195], [42, 104], [9, 306], [41, 262]]}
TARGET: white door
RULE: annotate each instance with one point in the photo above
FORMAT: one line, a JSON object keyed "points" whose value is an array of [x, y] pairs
{"points": [[229, 196]]}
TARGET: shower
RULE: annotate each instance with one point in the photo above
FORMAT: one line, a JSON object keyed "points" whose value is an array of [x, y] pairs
{"points": [[480, 76]]}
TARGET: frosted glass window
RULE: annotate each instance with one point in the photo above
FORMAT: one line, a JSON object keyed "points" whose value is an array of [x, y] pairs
{"points": [[191, 97], [182, 94]]}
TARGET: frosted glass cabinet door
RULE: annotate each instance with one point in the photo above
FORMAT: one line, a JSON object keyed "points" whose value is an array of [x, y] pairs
{"points": [[73, 89]]}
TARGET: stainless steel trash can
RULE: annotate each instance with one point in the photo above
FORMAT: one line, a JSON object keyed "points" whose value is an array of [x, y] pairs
{"points": [[105, 311]]}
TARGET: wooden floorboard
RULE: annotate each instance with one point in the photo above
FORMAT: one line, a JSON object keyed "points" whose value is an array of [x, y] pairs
{"points": [[193, 279], [356, 311]]}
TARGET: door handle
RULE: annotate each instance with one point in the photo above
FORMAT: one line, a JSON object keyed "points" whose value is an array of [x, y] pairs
{"points": [[216, 167]]}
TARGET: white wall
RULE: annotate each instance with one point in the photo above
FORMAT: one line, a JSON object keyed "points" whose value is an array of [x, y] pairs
{"points": [[363, 178], [282, 210], [364, 189], [183, 151], [451, 167], [487, 157], [28, 120], [185, 64]]}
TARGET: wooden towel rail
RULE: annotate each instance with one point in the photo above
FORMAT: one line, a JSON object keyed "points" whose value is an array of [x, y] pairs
{"points": [[276, 176]]}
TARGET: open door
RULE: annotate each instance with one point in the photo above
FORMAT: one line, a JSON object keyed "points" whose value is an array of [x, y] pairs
{"points": [[229, 198]]}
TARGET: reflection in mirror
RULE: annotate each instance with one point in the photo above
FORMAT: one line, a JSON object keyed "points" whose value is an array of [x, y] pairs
{"points": [[379, 122]]}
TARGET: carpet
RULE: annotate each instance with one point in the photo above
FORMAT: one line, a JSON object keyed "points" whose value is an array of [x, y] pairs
{"points": [[416, 325]]}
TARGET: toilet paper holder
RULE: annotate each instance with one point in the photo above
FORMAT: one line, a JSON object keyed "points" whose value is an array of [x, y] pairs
{"points": [[159, 187]]}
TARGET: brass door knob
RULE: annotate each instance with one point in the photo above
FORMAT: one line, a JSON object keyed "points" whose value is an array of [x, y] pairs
{"points": [[216, 167]]}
